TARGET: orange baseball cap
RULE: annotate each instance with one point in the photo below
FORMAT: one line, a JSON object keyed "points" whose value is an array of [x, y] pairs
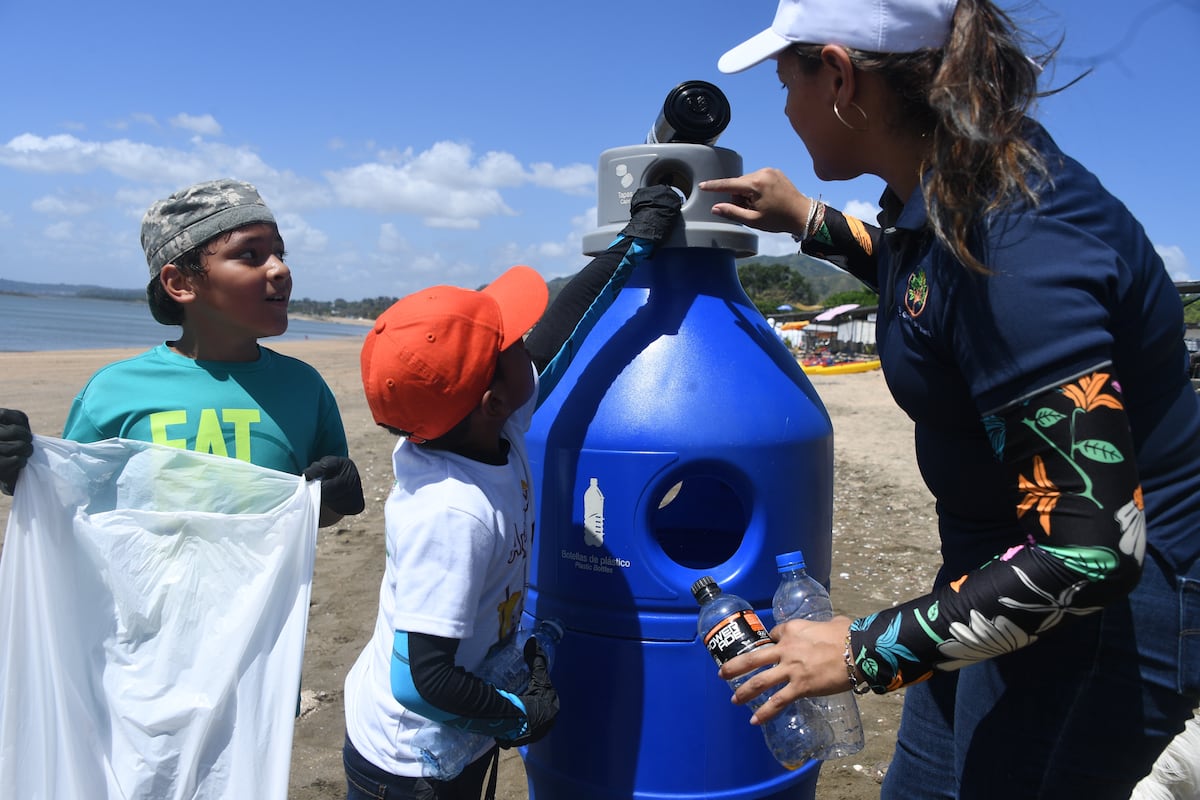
{"points": [[430, 357]]}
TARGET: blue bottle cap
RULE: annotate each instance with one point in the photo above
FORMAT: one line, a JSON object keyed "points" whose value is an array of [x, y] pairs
{"points": [[785, 562], [552, 627]]}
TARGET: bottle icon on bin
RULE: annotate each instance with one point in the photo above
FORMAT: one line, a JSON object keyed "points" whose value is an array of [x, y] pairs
{"points": [[593, 515]]}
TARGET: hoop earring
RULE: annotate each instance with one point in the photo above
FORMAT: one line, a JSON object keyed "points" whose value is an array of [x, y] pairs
{"points": [[858, 108]]}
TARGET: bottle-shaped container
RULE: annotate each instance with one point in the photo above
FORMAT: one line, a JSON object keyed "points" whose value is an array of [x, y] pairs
{"points": [[713, 453], [800, 596], [729, 627], [446, 751]]}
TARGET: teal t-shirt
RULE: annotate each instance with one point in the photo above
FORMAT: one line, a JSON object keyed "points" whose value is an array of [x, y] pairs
{"points": [[275, 412]]}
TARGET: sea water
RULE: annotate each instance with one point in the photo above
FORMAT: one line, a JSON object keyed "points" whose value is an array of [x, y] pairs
{"points": [[83, 323]]}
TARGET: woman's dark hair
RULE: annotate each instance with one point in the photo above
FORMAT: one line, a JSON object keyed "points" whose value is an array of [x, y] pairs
{"points": [[973, 98]]}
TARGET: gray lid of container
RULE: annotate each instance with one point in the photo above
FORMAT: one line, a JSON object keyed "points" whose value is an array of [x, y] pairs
{"points": [[624, 170]]}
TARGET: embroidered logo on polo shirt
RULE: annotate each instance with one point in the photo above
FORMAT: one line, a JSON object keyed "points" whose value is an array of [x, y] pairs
{"points": [[916, 294]]}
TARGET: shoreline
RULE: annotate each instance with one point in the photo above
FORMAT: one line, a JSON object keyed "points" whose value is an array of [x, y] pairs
{"points": [[60, 324], [360, 321]]}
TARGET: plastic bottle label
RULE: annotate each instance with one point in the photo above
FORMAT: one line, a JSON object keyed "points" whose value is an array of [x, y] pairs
{"points": [[740, 632]]}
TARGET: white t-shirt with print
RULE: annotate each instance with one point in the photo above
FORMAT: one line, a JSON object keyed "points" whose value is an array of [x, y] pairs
{"points": [[459, 534]]}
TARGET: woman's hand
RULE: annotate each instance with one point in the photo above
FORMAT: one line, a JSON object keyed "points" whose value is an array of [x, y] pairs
{"points": [[765, 200], [807, 660]]}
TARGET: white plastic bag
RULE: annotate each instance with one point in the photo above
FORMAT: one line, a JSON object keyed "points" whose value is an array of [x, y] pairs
{"points": [[153, 606]]}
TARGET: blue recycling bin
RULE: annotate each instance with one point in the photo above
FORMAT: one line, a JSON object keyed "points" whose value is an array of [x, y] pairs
{"points": [[684, 440]]}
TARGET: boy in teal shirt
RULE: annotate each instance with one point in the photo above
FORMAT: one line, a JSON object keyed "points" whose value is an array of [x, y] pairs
{"points": [[217, 271]]}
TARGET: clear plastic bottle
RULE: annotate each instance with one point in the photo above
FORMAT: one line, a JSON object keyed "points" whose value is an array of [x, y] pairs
{"points": [[446, 751], [729, 627], [800, 596]]}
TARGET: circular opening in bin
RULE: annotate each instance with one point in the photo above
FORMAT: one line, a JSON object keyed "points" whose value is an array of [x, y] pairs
{"points": [[673, 173], [699, 522]]}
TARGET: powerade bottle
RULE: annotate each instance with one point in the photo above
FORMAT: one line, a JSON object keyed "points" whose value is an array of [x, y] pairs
{"points": [[445, 750], [729, 628], [800, 596]]}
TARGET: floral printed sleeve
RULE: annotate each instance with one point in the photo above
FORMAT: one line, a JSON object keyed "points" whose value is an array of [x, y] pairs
{"points": [[1070, 456], [845, 241]]}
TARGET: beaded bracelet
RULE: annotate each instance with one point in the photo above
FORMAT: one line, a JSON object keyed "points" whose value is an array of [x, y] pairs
{"points": [[810, 224], [856, 686]]}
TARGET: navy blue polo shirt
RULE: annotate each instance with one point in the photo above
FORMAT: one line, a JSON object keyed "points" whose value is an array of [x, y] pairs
{"points": [[1076, 286]]}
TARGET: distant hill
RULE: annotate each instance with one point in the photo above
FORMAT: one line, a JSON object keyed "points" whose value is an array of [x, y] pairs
{"points": [[70, 290], [824, 278]]}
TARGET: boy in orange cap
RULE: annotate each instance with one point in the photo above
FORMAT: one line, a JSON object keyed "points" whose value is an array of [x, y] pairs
{"points": [[449, 371]]}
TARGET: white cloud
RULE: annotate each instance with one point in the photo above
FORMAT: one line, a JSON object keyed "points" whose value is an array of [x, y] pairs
{"points": [[572, 179], [446, 185], [299, 235], [555, 250], [1176, 261], [390, 240], [133, 202], [402, 189], [283, 191], [59, 231], [546, 257], [553, 258], [59, 205], [419, 268], [121, 157], [776, 244], [205, 124], [862, 210], [498, 169], [161, 169]]}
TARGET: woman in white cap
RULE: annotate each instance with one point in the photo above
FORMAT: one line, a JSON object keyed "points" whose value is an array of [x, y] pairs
{"points": [[1030, 330]]}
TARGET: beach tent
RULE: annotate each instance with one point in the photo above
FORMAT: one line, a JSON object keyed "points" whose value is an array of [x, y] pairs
{"points": [[829, 314]]}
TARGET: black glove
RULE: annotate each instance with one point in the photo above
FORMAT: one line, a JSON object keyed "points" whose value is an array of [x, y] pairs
{"points": [[652, 213], [540, 699], [16, 446], [341, 489]]}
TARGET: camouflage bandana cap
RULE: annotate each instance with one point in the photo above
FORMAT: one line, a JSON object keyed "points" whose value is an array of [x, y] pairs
{"points": [[192, 216]]}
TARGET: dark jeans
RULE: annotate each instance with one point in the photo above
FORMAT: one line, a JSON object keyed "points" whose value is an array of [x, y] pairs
{"points": [[365, 781], [1081, 713]]}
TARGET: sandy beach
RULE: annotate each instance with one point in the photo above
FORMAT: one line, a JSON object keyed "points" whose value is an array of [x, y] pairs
{"points": [[884, 546]]}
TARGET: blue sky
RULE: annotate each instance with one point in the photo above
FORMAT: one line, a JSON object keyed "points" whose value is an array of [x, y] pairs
{"points": [[404, 144]]}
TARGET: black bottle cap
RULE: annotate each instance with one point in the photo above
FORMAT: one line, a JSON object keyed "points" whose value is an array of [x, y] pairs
{"points": [[705, 588]]}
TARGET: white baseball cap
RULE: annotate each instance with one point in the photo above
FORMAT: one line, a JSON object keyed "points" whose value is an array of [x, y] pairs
{"points": [[877, 26]]}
